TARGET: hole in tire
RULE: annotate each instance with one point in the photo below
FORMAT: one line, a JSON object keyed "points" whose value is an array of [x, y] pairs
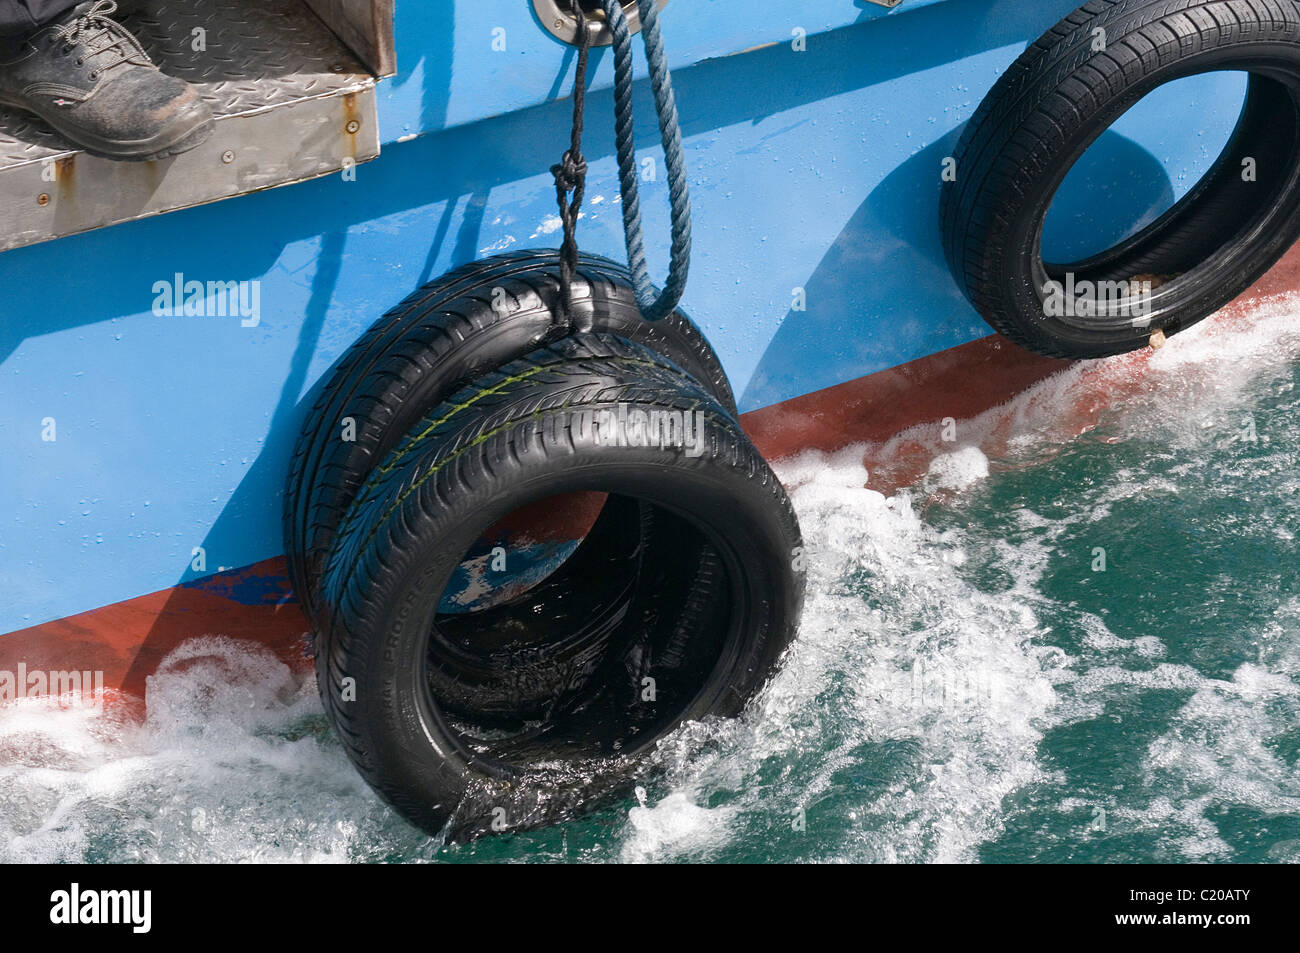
{"points": [[1126, 180], [604, 655], [521, 551], [1192, 258]]}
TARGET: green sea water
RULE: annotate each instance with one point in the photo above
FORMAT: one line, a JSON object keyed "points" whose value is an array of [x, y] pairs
{"points": [[1054, 646]]}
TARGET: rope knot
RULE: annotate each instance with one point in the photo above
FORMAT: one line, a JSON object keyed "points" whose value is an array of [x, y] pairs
{"points": [[570, 172], [571, 176]]}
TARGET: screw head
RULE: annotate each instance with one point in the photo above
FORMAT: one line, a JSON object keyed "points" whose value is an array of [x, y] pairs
{"points": [[353, 126], [43, 199], [228, 157]]}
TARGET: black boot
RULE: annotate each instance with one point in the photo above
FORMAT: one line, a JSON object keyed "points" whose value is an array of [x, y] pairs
{"points": [[90, 79]]}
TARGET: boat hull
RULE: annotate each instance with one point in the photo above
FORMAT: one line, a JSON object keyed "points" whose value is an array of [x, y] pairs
{"points": [[148, 431]]}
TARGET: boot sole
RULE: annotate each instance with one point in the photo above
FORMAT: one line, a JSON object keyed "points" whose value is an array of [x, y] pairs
{"points": [[162, 146]]}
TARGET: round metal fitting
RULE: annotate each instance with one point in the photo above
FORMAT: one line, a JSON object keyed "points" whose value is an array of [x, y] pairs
{"points": [[559, 19]]}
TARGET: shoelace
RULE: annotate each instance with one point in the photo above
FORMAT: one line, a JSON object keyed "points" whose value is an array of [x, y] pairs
{"points": [[100, 35]]}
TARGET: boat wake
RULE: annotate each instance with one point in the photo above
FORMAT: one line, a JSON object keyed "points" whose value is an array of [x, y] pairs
{"points": [[1074, 636]]}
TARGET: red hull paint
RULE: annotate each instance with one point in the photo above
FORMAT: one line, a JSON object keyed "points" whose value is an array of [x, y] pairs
{"points": [[959, 383], [128, 640]]}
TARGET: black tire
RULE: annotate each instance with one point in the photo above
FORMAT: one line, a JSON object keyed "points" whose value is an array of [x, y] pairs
{"points": [[513, 437], [1054, 102], [441, 337]]}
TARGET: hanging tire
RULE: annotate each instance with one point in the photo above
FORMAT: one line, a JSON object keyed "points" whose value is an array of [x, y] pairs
{"points": [[394, 675], [444, 335], [1054, 102]]}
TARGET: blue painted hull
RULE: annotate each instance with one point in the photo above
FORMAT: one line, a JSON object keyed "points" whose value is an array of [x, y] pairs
{"points": [[815, 180]]}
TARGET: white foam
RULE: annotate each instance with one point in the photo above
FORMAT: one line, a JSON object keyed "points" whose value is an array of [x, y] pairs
{"points": [[233, 763], [912, 705], [886, 600], [675, 827], [924, 665], [960, 469]]}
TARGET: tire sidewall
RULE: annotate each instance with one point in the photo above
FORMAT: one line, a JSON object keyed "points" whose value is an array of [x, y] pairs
{"points": [[1010, 247], [410, 742], [481, 346]]}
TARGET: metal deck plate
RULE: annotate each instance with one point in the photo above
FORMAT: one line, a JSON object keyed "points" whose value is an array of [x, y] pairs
{"points": [[292, 103]]}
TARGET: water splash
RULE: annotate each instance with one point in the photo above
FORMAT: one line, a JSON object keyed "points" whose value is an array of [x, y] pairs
{"points": [[966, 686]]}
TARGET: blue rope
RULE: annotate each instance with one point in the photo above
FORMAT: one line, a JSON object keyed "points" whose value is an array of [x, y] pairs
{"points": [[654, 306]]}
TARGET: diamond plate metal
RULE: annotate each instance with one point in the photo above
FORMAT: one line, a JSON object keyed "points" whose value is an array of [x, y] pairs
{"points": [[290, 100]]}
